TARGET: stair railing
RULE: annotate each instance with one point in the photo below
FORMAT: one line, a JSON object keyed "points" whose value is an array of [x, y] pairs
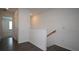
{"points": [[51, 33]]}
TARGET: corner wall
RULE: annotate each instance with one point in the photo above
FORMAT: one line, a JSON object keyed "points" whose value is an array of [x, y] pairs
{"points": [[38, 38], [24, 25], [15, 25]]}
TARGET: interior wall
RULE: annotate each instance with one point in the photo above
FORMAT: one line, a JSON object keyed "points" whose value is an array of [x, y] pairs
{"points": [[38, 38], [0, 28], [44, 21], [23, 25], [66, 22], [67, 26], [35, 22], [15, 25]]}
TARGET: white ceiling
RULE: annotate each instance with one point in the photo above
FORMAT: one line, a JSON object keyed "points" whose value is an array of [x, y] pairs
{"points": [[8, 10], [39, 10], [34, 11]]}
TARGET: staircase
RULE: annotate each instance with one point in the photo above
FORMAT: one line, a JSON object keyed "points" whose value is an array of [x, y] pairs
{"points": [[50, 38], [51, 33]]}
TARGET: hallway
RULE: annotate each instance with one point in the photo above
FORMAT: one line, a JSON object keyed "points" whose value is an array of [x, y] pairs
{"points": [[39, 29]]}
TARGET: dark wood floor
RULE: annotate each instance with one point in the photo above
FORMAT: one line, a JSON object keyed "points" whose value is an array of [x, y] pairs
{"points": [[27, 47], [56, 48], [9, 44]]}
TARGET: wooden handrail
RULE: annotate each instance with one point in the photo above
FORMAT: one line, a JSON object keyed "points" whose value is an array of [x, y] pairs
{"points": [[51, 33]]}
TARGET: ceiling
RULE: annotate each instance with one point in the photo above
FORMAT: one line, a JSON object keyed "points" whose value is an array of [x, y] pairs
{"points": [[5, 10], [34, 11], [39, 10]]}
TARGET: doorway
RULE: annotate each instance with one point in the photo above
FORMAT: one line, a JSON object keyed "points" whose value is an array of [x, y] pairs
{"points": [[7, 26]]}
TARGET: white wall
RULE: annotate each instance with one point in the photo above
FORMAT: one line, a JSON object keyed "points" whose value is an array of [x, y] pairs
{"points": [[44, 21], [38, 38], [15, 25], [66, 22], [24, 25]]}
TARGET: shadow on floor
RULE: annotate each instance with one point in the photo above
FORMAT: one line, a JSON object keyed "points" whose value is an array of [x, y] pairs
{"points": [[27, 47], [56, 48]]}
